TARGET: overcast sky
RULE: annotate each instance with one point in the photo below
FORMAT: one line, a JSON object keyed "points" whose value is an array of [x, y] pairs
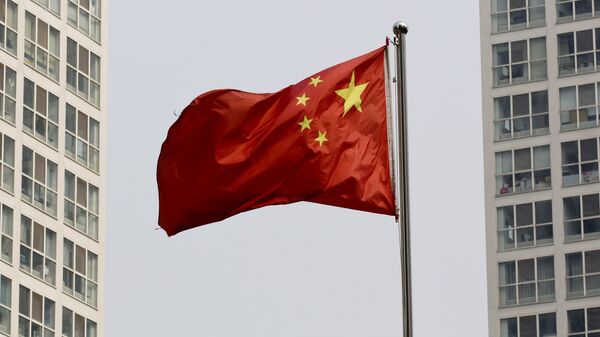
{"points": [[301, 270]]}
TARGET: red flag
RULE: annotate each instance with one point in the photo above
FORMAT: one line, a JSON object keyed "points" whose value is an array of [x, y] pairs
{"points": [[321, 140]]}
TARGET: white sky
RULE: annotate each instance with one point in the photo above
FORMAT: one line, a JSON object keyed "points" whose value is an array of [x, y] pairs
{"points": [[300, 270]]}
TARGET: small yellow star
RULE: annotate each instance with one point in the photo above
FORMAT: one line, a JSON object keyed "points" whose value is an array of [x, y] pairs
{"points": [[305, 124], [315, 81], [302, 99], [351, 95], [321, 139]]}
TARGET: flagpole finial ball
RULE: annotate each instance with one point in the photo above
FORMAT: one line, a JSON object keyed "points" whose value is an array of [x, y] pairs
{"points": [[400, 28]]}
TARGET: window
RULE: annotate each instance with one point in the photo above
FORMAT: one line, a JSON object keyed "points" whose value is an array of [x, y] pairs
{"points": [[543, 325], [582, 217], [6, 242], [81, 205], [80, 273], [38, 250], [521, 115], [82, 138], [7, 163], [8, 26], [578, 106], [568, 10], [75, 325], [584, 321], [36, 314], [8, 93], [583, 274], [580, 161], [52, 5], [576, 51], [83, 72], [40, 113], [39, 181], [5, 304], [526, 281], [519, 61], [85, 16], [42, 46], [517, 14], [523, 170], [524, 225]]}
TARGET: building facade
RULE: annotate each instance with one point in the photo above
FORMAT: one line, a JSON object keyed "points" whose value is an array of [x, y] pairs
{"points": [[53, 81], [540, 95]]}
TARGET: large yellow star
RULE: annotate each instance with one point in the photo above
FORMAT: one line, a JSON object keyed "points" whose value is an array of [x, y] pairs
{"points": [[315, 81], [302, 99], [305, 124], [321, 139], [351, 95]]}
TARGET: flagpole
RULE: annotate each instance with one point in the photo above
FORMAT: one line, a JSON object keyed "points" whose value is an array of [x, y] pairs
{"points": [[400, 31]]}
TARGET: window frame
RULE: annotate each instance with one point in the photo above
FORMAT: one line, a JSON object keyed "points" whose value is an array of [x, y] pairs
{"points": [[34, 182], [80, 10], [516, 230], [33, 113], [7, 163], [595, 11], [518, 322], [517, 284], [580, 220], [69, 318], [76, 145], [49, 7], [8, 94], [49, 263], [530, 116], [6, 286], [583, 276], [586, 322], [579, 110], [26, 315], [512, 66], [573, 59], [71, 274], [528, 8], [6, 233], [52, 56], [77, 206], [566, 167], [534, 173], [77, 72], [9, 29]]}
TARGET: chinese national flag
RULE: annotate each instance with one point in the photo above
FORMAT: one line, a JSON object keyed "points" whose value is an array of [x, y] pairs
{"points": [[321, 140]]}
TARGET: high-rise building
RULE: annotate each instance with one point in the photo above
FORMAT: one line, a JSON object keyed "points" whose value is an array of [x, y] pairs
{"points": [[540, 64], [52, 167]]}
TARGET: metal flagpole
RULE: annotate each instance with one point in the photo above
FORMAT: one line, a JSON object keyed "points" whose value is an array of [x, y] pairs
{"points": [[400, 31]]}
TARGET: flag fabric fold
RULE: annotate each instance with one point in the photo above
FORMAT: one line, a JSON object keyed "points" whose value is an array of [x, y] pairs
{"points": [[322, 140]]}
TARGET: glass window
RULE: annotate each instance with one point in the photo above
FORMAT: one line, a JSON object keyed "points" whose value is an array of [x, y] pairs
{"points": [[576, 52], [51, 5], [524, 225], [80, 79], [578, 106], [38, 250], [40, 113], [523, 170], [526, 281], [519, 14], [85, 15], [569, 10], [81, 205], [80, 273], [8, 26], [82, 138], [36, 314], [512, 63], [42, 42], [41, 190], [583, 274], [580, 161], [521, 115], [75, 325], [8, 92], [5, 304]]}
